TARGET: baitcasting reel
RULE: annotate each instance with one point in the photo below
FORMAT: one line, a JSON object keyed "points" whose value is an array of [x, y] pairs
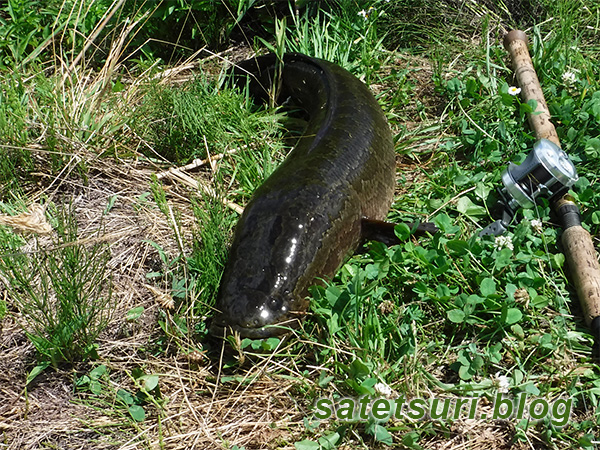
{"points": [[547, 171]]}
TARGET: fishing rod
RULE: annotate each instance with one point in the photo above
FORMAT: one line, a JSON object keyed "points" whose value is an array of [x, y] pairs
{"points": [[548, 172]]}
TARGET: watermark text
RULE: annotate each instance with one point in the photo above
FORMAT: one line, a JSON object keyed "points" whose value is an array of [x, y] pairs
{"points": [[503, 407]]}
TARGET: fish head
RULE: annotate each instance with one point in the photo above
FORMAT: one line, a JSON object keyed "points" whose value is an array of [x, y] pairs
{"points": [[260, 294], [254, 313], [276, 254]]}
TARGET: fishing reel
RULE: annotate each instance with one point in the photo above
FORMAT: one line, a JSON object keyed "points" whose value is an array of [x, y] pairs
{"points": [[546, 172]]}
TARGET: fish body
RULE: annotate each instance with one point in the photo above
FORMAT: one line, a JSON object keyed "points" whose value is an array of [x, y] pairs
{"points": [[306, 218]]}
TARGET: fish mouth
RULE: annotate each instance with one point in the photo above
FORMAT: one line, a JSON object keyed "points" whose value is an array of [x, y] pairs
{"points": [[221, 327]]}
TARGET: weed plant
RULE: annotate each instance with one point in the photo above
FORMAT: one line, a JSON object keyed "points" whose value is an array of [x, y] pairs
{"points": [[124, 404], [209, 255], [63, 292]]}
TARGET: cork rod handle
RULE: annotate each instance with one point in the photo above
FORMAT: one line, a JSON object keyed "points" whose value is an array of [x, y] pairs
{"points": [[516, 43], [580, 253]]}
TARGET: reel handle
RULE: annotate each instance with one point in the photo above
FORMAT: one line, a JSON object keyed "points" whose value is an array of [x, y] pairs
{"points": [[578, 246]]}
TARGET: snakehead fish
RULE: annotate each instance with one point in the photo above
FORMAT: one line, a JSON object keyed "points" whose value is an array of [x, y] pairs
{"points": [[311, 213]]}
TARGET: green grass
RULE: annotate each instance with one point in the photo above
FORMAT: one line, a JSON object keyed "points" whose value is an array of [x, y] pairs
{"points": [[63, 292], [199, 119], [451, 316]]}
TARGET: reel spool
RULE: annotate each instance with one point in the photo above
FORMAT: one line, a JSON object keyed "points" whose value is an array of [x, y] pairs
{"points": [[547, 171]]}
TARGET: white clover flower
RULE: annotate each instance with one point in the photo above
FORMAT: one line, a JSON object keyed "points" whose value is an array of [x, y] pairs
{"points": [[513, 90], [383, 389], [536, 224], [367, 13], [569, 77], [503, 242], [503, 384]]}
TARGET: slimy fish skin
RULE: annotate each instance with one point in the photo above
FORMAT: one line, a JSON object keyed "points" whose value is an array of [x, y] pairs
{"points": [[307, 217]]}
